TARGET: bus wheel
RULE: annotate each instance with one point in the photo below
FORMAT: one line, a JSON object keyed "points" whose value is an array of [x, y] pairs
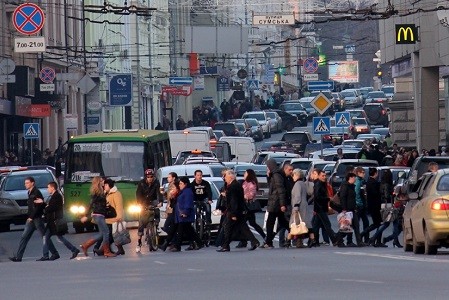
{"points": [[79, 227], [90, 227]]}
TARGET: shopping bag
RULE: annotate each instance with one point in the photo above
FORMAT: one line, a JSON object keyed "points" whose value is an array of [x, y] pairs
{"points": [[121, 235]]}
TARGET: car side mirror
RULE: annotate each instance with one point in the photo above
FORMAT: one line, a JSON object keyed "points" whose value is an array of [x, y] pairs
{"points": [[413, 196]]}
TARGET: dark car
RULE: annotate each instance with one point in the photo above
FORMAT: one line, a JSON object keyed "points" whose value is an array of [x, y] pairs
{"points": [[229, 128], [298, 139], [290, 121], [339, 172], [377, 114], [277, 146], [295, 108]]}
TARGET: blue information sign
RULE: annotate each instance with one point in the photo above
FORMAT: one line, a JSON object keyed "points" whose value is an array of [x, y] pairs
{"points": [[223, 84], [342, 119], [31, 130], [121, 90], [180, 80], [321, 125], [320, 85]]}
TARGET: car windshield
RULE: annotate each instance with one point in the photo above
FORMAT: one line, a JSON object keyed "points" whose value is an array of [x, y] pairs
{"points": [[376, 95], [388, 89], [259, 117], [443, 184], [17, 182], [260, 170], [252, 122], [302, 165], [347, 94], [291, 106], [306, 104], [295, 137], [359, 121], [271, 115]]}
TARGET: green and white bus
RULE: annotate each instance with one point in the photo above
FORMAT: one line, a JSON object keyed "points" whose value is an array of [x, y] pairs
{"points": [[122, 155]]}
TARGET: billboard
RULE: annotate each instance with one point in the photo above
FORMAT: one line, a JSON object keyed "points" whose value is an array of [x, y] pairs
{"points": [[208, 39], [346, 71]]}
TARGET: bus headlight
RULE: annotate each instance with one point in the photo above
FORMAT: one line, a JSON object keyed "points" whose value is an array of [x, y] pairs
{"points": [[77, 209], [134, 209]]}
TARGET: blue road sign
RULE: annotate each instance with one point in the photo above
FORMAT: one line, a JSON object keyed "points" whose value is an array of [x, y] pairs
{"points": [[321, 125], [310, 65], [180, 80], [223, 84], [342, 119], [31, 130], [320, 85], [268, 77], [121, 90], [28, 18], [252, 84]]}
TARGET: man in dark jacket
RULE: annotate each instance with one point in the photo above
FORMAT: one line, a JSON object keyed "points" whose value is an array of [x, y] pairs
{"points": [[348, 204], [150, 199], [277, 199], [235, 214], [202, 193], [320, 209], [34, 221]]}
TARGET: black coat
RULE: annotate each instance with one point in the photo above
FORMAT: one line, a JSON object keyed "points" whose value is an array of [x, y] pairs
{"points": [[54, 210], [148, 195], [373, 195], [35, 210], [277, 194], [320, 197], [235, 201], [347, 196], [97, 205]]}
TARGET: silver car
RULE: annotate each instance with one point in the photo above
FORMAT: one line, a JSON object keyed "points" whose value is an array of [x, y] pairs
{"points": [[262, 118]]}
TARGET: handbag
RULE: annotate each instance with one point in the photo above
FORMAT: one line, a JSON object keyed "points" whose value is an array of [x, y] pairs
{"points": [[61, 226], [298, 228], [121, 236], [389, 214], [253, 205], [110, 212]]}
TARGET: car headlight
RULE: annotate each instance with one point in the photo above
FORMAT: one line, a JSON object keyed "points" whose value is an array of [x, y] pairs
{"points": [[77, 209], [6, 201], [134, 209]]}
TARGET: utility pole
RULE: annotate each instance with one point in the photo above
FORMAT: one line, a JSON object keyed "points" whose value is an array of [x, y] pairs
{"points": [[139, 104], [150, 63]]}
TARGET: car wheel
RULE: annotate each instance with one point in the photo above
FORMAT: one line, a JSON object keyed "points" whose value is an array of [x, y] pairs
{"points": [[417, 249], [429, 249], [407, 246]]}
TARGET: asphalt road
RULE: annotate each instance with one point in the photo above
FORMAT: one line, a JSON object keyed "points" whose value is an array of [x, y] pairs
{"points": [[319, 273]]}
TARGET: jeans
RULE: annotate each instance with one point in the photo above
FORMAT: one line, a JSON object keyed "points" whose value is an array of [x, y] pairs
{"points": [[111, 239], [61, 238], [321, 219], [30, 227], [397, 229], [361, 213], [102, 228], [378, 235]]}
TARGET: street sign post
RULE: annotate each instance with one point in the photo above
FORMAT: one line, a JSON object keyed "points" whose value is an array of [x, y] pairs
{"points": [[223, 84], [180, 80], [31, 132], [310, 65], [321, 126], [30, 44], [310, 77], [252, 84], [47, 75], [342, 119], [320, 85], [321, 103], [185, 90]]}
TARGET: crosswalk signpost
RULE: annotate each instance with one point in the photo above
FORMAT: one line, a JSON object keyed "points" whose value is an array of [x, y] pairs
{"points": [[321, 126], [31, 132]]}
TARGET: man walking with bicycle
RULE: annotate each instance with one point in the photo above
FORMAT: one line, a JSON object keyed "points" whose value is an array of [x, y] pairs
{"points": [[202, 194], [150, 199]]}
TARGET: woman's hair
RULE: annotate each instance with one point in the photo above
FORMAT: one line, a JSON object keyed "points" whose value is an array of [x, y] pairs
{"points": [[185, 180], [109, 182], [299, 173], [350, 175], [95, 187], [387, 176], [174, 175], [251, 176]]}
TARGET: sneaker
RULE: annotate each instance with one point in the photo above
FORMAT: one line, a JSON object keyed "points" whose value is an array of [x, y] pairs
{"points": [[325, 244]]}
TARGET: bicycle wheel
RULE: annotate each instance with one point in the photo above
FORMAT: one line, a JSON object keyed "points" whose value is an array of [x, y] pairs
{"points": [[153, 239], [206, 235]]}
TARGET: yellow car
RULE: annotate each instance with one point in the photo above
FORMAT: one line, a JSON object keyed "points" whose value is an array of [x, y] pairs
{"points": [[426, 215]]}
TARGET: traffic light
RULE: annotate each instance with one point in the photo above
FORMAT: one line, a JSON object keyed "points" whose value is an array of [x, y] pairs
{"points": [[379, 73], [277, 79]]}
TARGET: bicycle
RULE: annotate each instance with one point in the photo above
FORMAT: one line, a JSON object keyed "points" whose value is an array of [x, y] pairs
{"points": [[202, 228], [151, 231]]}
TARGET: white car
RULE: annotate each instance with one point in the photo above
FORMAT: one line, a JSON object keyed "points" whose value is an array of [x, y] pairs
{"points": [[275, 121], [262, 118]]}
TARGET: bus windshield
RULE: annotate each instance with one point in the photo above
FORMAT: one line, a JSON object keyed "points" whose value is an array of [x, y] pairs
{"points": [[117, 160]]}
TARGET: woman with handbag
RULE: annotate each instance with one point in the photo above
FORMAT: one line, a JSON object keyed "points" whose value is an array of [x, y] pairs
{"points": [[299, 207], [250, 187], [97, 209], [56, 224], [114, 198]]}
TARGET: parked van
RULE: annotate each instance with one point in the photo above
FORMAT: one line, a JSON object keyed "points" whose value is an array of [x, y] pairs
{"points": [[243, 148], [181, 140]]}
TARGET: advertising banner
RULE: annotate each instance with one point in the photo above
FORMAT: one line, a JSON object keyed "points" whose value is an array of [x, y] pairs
{"points": [[344, 71]]}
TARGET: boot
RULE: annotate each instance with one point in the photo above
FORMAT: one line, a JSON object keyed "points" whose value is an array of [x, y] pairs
{"points": [[98, 251], [86, 246], [107, 251], [120, 250]]}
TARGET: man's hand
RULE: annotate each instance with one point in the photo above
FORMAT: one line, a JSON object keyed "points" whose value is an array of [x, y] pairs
{"points": [[159, 204], [234, 218], [29, 220], [83, 219], [210, 201], [38, 200], [283, 208]]}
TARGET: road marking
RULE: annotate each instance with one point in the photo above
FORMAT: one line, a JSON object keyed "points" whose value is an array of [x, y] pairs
{"points": [[159, 262], [359, 281], [195, 270], [398, 257]]}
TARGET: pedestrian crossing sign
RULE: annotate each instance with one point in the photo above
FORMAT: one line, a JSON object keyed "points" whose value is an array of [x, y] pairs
{"points": [[253, 84], [31, 130], [342, 119], [321, 125]]}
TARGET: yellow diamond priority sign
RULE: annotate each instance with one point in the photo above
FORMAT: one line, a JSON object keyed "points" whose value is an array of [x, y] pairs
{"points": [[321, 103]]}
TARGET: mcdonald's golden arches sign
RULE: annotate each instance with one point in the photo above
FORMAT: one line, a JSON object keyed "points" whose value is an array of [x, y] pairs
{"points": [[406, 34]]}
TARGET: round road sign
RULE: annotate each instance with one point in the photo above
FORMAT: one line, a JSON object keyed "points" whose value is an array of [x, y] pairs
{"points": [[47, 75], [28, 18], [310, 65]]}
